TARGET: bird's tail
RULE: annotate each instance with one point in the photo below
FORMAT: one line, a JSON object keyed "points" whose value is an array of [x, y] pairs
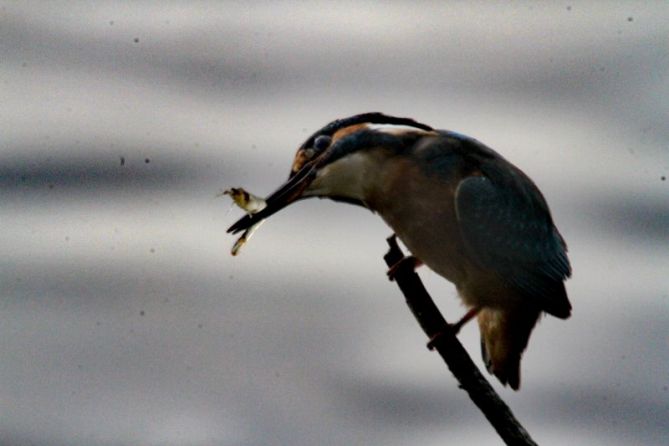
{"points": [[504, 336]]}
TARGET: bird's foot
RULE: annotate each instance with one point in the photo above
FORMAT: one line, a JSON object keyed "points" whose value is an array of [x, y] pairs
{"points": [[453, 329], [469, 315], [405, 262]]}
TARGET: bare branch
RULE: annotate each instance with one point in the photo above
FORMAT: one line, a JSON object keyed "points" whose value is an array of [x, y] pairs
{"points": [[458, 361]]}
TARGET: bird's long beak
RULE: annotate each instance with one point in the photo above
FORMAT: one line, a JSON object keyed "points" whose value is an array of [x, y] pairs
{"points": [[288, 193]]}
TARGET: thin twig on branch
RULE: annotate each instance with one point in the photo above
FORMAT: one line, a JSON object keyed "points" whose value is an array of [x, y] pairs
{"points": [[458, 361]]}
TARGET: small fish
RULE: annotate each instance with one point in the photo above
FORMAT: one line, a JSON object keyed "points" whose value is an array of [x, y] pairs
{"points": [[249, 203]]}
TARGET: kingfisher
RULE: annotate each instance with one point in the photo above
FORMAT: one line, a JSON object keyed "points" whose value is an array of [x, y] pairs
{"points": [[459, 207]]}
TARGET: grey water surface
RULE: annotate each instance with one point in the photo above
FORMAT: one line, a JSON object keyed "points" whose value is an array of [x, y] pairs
{"points": [[124, 320]]}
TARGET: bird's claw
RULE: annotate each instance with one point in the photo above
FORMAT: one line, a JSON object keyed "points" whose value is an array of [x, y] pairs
{"points": [[434, 339], [453, 329], [405, 262]]}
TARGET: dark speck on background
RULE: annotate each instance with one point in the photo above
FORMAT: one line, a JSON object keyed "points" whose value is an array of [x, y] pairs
{"points": [[147, 161], [629, 19], [122, 160]]}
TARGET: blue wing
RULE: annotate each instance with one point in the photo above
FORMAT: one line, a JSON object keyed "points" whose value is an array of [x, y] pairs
{"points": [[507, 227]]}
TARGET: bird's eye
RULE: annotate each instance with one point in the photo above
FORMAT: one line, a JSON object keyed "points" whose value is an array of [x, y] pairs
{"points": [[321, 143]]}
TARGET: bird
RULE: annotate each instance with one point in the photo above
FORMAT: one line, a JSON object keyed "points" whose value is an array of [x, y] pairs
{"points": [[459, 207]]}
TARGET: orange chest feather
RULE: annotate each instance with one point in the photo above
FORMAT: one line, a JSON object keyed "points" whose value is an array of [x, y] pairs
{"points": [[420, 209]]}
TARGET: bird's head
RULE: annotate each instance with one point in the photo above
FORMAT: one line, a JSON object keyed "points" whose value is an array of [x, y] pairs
{"points": [[332, 162]]}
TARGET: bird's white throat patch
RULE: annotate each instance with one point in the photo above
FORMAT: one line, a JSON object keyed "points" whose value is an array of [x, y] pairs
{"points": [[349, 177]]}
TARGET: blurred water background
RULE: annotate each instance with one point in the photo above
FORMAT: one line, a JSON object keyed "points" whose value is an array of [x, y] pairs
{"points": [[123, 318]]}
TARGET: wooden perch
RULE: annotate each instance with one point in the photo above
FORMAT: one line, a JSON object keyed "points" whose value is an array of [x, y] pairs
{"points": [[458, 361]]}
